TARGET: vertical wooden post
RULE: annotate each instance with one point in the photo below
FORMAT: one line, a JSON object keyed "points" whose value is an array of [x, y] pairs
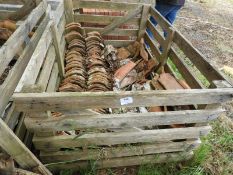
{"points": [[144, 18], [166, 49], [57, 46], [19, 152], [69, 10]]}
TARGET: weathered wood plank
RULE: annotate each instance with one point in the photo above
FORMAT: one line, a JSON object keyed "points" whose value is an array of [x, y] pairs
{"points": [[120, 21], [160, 19], [47, 68], [57, 46], [33, 68], [126, 161], [103, 19], [87, 100], [156, 33], [185, 71], [144, 18], [115, 32], [19, 152], [8, 87], [58, 13], [11, 7], [145, 136], [53, 79], [119, 43], [69, 10], [105, 5], [155, 51], [10, 48], [124, 151], [73, 122]]}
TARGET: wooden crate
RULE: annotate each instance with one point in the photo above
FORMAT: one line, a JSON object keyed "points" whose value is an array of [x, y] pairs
{"points": [[20, 44], [35, 67], [128, 143]]}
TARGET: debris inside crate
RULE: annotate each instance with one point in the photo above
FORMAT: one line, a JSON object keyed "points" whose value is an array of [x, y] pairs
{"points": [[7, 28], [92, 66]]}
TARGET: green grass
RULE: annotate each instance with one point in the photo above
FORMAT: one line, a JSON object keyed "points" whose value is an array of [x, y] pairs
{"points": [[213, 157]]}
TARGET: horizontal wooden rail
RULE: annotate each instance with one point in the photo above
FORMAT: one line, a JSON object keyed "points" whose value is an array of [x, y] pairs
{"points": [[125, 161], [119, 43], [119, 151], [105, 5], [103, 19], [87, 100], [115, 32], [73, 122], [143, 136]]}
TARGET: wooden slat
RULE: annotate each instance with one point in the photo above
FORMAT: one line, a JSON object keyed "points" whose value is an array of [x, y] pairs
{"points": [[33, 68], [105, 5], [120, 21], [197, 58], [11, 47], [5, 13], [73, 122], [18, 151], [69, 11], [61, 29], [120, 151], [10, 83], [87, 100], [144, 136], [160, 19], [156, 33], [185, 71], [152, 46], [125, 161], [144, 18], [47, 68], [57, 46], [102, 19], [11, 7], [115, 32], [58, 13], [119, 43], [53, 79]]}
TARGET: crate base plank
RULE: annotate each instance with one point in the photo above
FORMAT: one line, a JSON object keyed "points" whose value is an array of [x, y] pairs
{"points": [[122, 162], [118, 151]]}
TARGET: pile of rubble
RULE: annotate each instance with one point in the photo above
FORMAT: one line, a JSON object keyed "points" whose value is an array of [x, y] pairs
{"points": [[92, 66]]}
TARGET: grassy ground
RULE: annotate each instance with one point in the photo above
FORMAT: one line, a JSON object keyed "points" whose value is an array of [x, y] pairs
{"points": [[214, 156]]}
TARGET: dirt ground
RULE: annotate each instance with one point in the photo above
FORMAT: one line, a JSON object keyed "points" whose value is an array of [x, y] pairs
{"points": [[208, 24]]}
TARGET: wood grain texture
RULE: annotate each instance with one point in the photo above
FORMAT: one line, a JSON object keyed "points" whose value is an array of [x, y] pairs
{"points": [[107, 139], [88, 100], [75, 122], [120, 151]]}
